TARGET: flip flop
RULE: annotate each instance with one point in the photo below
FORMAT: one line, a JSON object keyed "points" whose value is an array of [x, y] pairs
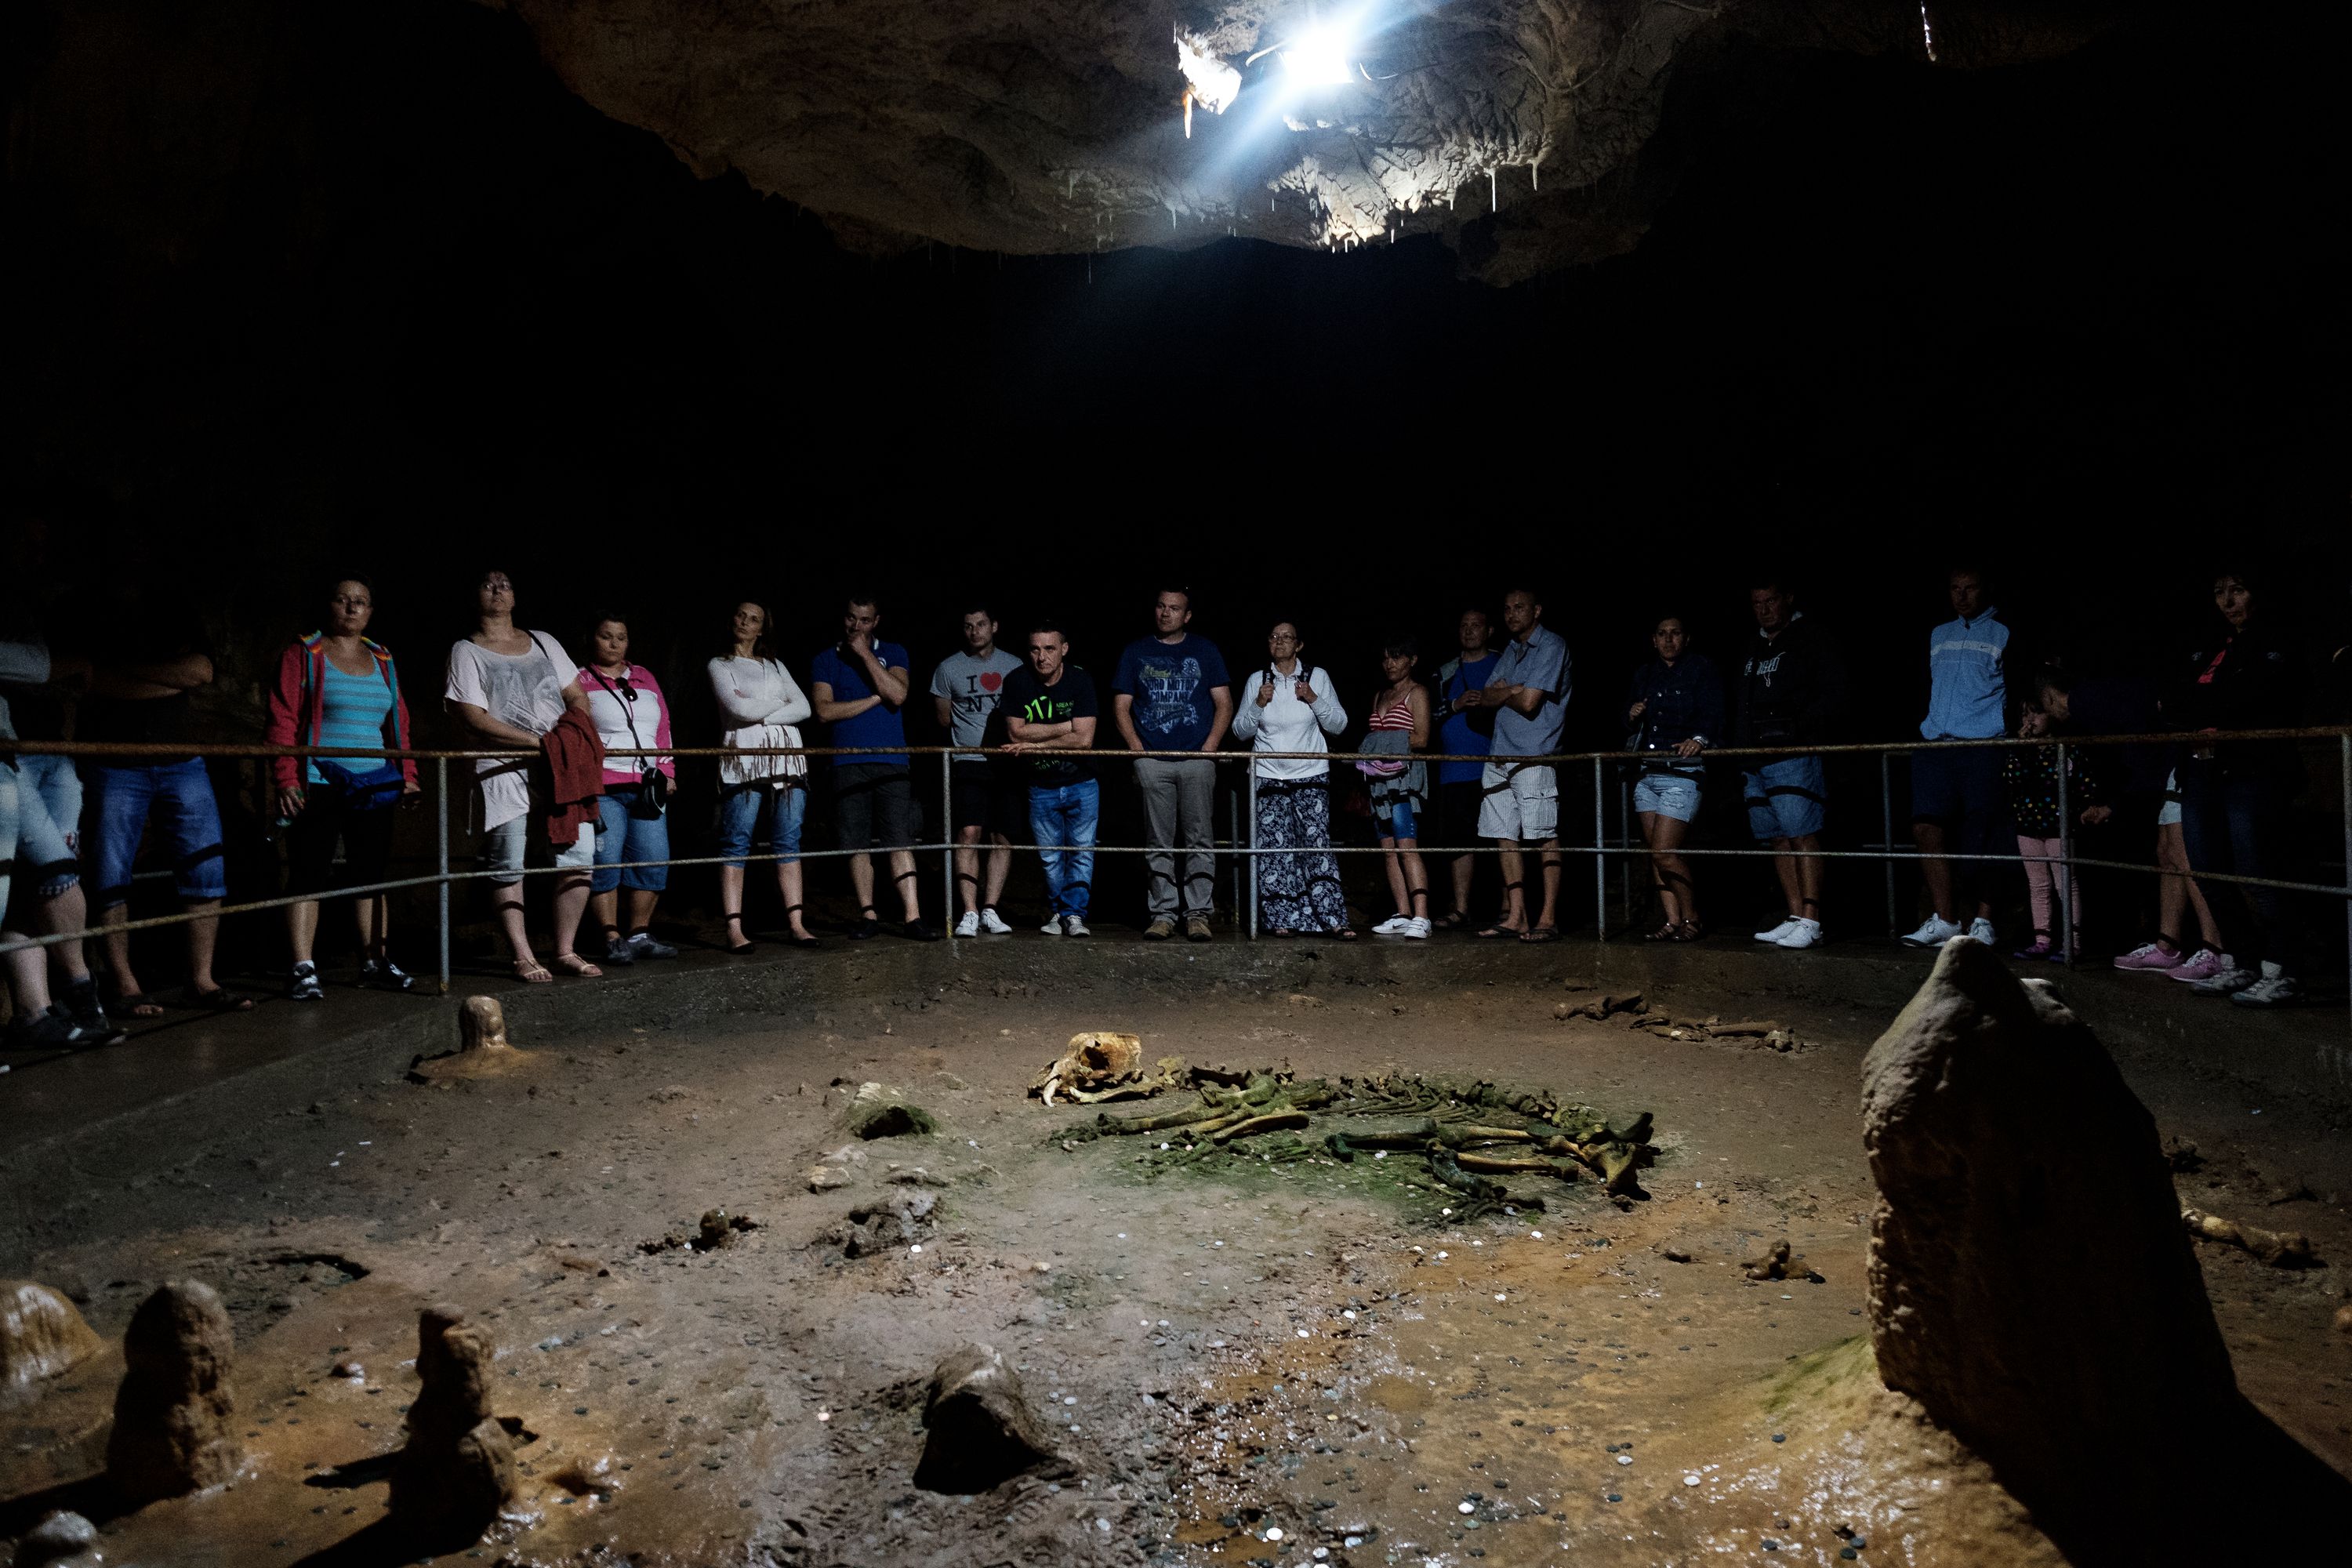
{"points": [[219, 999], [1499, 934], [1540, 933], [1450, 922], [139, 1005]]}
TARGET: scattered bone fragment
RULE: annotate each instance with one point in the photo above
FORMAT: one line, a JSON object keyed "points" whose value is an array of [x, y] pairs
{"points": [[457, 1469], [41, 1334], [2279, 1248], [172, 1432], [1778, 1263]]}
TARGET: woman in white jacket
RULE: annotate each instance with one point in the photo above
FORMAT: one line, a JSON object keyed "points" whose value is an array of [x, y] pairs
{"points": [[1289, 706], [761, 704]]}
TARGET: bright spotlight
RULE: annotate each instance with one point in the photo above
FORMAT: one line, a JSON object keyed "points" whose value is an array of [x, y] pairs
{"points": [[1318, 58]]}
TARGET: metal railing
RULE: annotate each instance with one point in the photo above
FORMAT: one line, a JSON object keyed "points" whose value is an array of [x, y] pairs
{"points": [[1245, 855]]}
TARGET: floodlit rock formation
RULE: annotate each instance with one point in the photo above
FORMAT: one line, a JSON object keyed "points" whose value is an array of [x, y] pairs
{"points": [[41, 1334], [173, 1415], [2030, 1284], [1078, 125], [457, 1469], [481, 1025]]}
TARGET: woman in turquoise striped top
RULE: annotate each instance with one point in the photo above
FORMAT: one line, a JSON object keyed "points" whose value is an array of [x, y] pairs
{"points": [[336, 688]]}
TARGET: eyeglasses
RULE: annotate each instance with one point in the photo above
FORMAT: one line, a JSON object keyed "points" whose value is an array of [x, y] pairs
{"points": [[1282, 636]]}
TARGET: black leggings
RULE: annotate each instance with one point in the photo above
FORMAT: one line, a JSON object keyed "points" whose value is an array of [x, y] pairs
{"points": [[367, 843]]}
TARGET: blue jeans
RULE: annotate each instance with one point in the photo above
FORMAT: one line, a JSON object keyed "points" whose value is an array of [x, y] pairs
{"points": [[180, 797], [1786, 799], [740, 811], [48, 823], [2234, 825], [620, 837], [1062, 819]]}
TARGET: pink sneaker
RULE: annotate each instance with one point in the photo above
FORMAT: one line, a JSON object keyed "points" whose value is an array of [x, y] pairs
{"points": [[2041, 947], [2204, 964], [2148, 955]]}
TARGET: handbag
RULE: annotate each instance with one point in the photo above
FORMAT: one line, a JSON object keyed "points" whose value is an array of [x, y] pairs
{"points": [[653, 785], [354, 790]]}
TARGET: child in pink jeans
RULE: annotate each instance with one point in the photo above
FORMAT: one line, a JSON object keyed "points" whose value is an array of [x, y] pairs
{"points": [[2031, 774]]}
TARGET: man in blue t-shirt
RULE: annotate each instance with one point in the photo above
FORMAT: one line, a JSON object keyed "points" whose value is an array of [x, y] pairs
{"points": [[861, 687], [1467, 731], [1171, 694]]}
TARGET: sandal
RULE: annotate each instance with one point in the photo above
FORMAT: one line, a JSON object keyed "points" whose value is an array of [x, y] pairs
{"points": [[740, 948], [1284, 935], [1670, 932], [530, 972], [1499, 934], [219, 999], [1453, 922], [573, 965], [1540, 933], [139, 1005], [1345, 934], [1689, 931], [802, 941]]}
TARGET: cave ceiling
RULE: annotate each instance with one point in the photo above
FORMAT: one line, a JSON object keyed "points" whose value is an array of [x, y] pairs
{"points": [[1521, 132]]}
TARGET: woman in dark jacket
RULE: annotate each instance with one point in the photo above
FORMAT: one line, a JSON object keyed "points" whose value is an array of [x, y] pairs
{"points": [[2234, 794], [1673, 712]]}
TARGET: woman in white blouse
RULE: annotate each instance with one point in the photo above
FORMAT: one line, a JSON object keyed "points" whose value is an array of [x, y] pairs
{"points": [[1289, 706], [763, 705]]}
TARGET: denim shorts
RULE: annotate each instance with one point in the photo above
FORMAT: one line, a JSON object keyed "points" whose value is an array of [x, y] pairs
{"points": [[178, 796], [1668, 795], [505, 847], [740, 811], [2169, 814], [48, 823], [1395, 816], [620, 837], [1786, 799]]}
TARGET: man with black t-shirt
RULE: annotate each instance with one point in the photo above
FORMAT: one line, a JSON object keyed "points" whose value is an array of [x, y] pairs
{"points": [[1049, 713]]}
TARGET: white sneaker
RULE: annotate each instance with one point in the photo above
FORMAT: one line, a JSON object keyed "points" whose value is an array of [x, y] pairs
{"points": [[2276, 988], [1806, 933], [993, 923], [1981, 929], [1779, 932], [1053, 926], [2233, 977], [1073, 926], [1392, 926], [968, 924], [1416, 928], [1935, 933]]}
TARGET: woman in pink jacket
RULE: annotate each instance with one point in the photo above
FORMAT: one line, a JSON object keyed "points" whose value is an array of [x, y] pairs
{"points": [[339, 688]]}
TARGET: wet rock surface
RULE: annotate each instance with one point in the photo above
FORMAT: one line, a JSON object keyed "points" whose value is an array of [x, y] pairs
{"points": [[764, 1400], [42, 1334], [174, 1413]]}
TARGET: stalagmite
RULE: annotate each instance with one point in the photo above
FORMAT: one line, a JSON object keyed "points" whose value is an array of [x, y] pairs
{"points": [[41, 1334], [457, 1469], [171, 1432], [481, 1025]]}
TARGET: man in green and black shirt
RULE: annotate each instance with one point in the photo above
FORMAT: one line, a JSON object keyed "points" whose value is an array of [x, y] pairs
{"points": [[1049, 715]]}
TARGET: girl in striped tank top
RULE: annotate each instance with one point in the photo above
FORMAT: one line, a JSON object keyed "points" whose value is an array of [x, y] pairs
{"points": [[1400, 726]]}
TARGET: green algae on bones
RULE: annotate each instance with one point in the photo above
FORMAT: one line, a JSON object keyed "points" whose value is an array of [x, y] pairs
{"points": [[1465, 1131]]}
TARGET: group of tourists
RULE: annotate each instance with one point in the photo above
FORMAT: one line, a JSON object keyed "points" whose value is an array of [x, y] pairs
{"points": [[1447, 760]]}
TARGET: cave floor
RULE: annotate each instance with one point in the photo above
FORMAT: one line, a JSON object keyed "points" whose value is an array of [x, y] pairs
{"points": [[1227, 1353]]}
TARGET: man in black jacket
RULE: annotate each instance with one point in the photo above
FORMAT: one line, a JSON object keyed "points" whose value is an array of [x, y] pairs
{"points": [[1789, 691]]}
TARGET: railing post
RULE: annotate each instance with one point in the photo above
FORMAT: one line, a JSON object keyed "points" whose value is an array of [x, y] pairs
{"points": [[2344, 744], [1625, 839], [1249, 775], [441, 890], [947, 916], [1600, 853], [2063, 873], [1887, 835]]}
